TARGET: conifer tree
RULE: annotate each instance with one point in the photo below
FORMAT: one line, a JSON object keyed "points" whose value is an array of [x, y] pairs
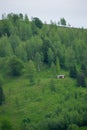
{"points": [[73, 72], [2, 97], [84, 69], [81, 81]]}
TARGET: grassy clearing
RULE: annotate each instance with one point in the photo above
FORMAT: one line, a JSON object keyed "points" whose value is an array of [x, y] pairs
{"points": [[39, 102]]}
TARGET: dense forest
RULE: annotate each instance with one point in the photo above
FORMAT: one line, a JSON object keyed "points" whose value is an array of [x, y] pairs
{"points": [[32, 54]]}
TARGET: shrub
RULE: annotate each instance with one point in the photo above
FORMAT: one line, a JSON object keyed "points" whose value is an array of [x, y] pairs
{"points": [[6, 125], [14, 66], [73, 127]]}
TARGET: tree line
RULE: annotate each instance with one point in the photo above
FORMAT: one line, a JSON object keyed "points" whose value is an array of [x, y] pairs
{"points": [[42, 43], [33, 40]]}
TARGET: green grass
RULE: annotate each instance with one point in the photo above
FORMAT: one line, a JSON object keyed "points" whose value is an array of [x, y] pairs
{"points": [[38, 102]]}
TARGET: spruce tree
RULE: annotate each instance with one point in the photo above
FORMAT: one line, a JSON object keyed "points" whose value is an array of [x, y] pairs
{"points": [[84, 69], [81, 80], [73, 72], [2, 97]]}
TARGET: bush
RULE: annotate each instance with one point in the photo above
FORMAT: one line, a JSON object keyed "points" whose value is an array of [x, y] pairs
{"points": [[14, 66], [6, 125], [25, 124], [73, 127], [84, 69], [53, 124]]}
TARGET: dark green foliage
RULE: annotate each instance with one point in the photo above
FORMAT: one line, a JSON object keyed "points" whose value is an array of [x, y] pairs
{"points": [[62, 21], [84, 69], [2, 97], [45, 47], [73, 72], [37, 22], [14, 66], [62, 62], [84, 122], [5, 28], [81, 81], [25, 124], [73, 127], [54, 124], [6, 125]]}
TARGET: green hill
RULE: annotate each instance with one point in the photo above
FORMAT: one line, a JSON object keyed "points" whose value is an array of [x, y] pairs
{"points": [[32, 54]]}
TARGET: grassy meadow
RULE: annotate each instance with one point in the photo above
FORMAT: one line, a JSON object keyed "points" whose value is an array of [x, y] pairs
{"points": [[49, 98]]}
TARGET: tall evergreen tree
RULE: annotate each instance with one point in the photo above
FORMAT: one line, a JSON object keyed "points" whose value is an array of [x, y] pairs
{"points": [[81, 81], [73, 72], [62, 21], [84, 69], [2, 97]]}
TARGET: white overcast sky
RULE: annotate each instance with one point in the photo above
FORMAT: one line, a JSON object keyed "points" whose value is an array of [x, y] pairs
{"points": [[74, 11]]}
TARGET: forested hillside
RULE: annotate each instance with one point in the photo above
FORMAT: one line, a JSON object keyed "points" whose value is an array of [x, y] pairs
{"points": [[32, 54]]}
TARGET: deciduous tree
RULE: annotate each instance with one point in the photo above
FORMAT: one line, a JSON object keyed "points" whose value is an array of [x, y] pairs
{"points": [[14, 66]]}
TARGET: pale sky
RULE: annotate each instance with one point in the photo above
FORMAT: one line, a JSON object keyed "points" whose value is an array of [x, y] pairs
{"points": [[74, 11]]}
